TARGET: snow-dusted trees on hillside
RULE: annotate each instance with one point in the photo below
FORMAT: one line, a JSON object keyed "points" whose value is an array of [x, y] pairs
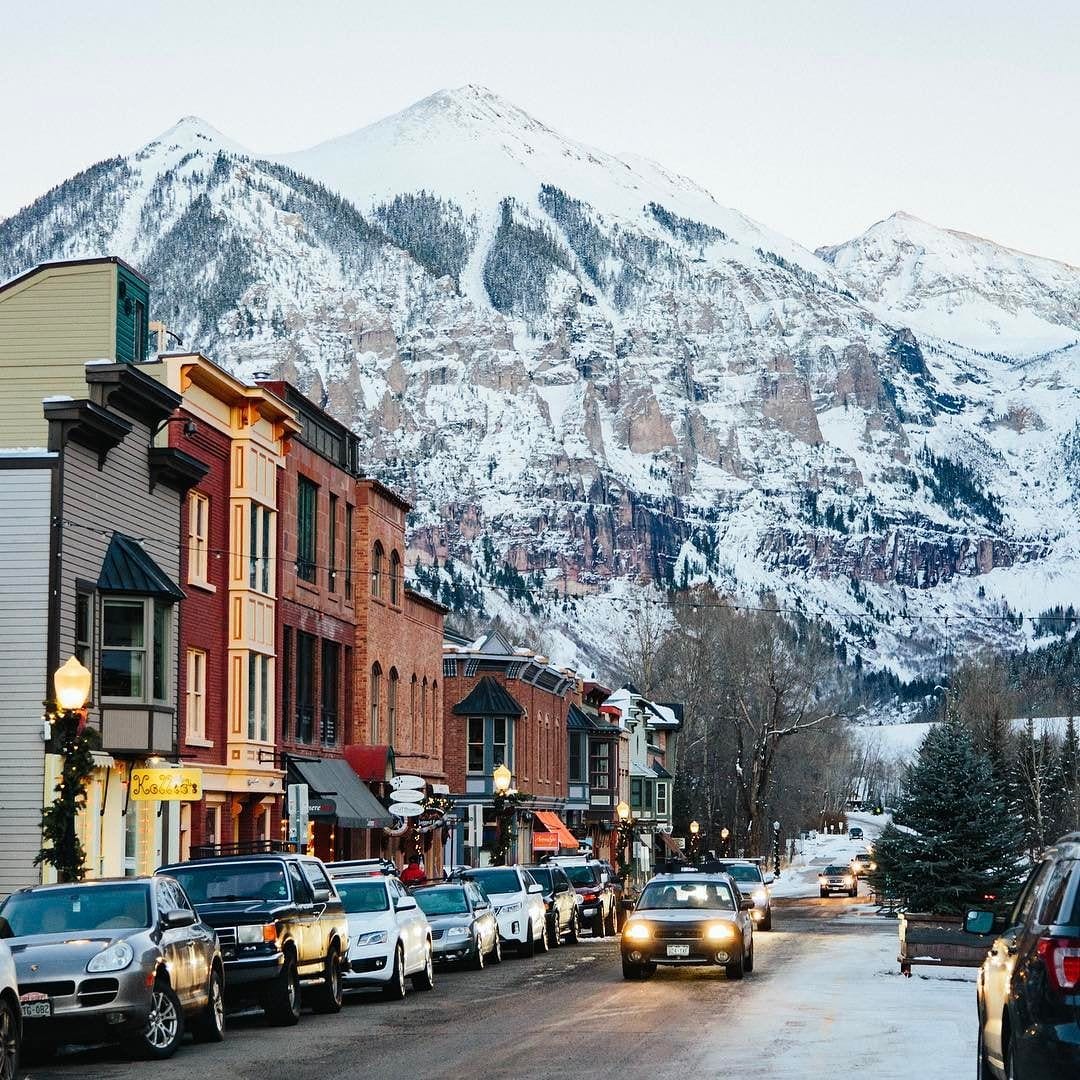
{"points": [[433, 231]]}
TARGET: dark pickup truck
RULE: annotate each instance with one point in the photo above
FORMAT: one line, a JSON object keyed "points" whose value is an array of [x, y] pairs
{"points": [[280, 923]]}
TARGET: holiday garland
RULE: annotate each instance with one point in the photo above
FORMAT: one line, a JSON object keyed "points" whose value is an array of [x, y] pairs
{"points": [[505, 806], [61, 847]]}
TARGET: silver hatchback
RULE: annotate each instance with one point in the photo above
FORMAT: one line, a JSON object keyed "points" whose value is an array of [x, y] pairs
{"points": [[126, 960]]}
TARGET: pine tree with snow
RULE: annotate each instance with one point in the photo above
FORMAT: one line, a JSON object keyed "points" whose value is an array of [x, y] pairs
{"points": [[958, 841]]}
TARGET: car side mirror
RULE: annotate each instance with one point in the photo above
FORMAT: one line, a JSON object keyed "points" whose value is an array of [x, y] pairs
{"points": [[321, 894], [979, 922], [746, 903], [605, 878], [483, 906], [405, 903], [769, 879], [177, 918], [535, 888]]}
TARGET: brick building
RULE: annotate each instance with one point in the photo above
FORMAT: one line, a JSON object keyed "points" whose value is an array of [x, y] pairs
{"points": [[504, 705]]}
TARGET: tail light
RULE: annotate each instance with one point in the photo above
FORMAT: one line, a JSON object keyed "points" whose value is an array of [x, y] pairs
{"points": [[1061, 956], [591, 898]]}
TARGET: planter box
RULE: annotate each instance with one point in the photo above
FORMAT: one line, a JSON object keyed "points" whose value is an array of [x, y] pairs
{"points": [[939, 941]]}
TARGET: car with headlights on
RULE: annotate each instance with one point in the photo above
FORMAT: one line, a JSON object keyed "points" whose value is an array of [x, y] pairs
{"points": [[281, 925], [560, 900], [125, 960], [463, 924], [689, 919], [838, 879], [753, 882], [519, 906], [10, 1017], [862, 864], [389, 936]]}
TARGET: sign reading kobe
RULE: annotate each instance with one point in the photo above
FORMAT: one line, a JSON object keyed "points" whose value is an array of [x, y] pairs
{"points": [[166, 784]]}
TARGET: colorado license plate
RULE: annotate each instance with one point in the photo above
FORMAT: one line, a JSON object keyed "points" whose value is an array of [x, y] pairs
{"points": [[678, 950], [36, 1007]]}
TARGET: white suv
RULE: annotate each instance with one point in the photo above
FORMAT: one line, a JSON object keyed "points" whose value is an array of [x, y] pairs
{"points": [[389, 936], [518, 901], [10, 1015]]}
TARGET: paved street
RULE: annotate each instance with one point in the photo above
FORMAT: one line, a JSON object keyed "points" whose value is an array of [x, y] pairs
{"points": [[825, 997]]}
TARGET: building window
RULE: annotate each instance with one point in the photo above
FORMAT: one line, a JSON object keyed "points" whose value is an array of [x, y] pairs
{"points": [[434, 713], [305, 686], [348, 550], [286, 680], [600, 765], [635, 794], [196, 694], [423, 712], [198, 538], [498, 742], [377, 559], [576, 767], [331, 571], [476, 744], [331, 660], [395, 578], [661, 800], [258, 697], [648, 786], [129, 669], [307, 495], [140, 332], [376, 689], [84, 629], [259, 557], [417, 730], [391, 707]]}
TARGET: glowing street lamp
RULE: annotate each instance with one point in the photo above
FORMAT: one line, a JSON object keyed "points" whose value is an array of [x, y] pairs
{"points": [[623, 810], [695, 839], [72, 684], [502, 778], [725, 832], [504, 800]]}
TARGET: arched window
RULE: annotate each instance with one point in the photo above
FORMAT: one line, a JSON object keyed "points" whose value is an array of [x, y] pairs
{"points": [[395, 578], [391, 707], [377, 559], [423, 714], [414, 734], [376, 689], [436, 717]]}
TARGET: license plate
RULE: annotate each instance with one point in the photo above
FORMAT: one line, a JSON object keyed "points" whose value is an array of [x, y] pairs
{"points": [[32, 1010], [678, 950]]}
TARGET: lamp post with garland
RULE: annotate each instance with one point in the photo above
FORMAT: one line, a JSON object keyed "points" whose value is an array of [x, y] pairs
{"points": [[61, 847], [625, 830], [695, 840], [506, 800], [776, 848], [725, 832]]}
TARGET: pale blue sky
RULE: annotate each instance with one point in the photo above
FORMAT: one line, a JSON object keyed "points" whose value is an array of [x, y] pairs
{"points": [[815, 117]]}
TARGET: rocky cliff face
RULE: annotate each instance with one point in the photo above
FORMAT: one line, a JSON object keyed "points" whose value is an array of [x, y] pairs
{"points": [[594, 369]]}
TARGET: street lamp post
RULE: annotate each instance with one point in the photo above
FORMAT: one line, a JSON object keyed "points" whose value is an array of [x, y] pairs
{"points": [[776, 848], [626, 836], [505, 800], [725, 832], [695, 840]]}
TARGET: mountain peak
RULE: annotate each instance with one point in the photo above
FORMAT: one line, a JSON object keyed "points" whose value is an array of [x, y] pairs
{"points": [[193, 133]]}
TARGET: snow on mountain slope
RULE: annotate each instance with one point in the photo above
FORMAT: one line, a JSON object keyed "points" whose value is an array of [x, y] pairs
{"points": [[962, 288], [586, 372]]}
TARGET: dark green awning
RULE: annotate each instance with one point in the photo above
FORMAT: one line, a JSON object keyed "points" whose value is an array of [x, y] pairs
{"points": [[128, 568], [333, 778]]}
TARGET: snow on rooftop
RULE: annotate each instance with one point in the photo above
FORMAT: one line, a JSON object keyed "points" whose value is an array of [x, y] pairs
{"points": [[26, 451], [56, 397], [97, 363]]}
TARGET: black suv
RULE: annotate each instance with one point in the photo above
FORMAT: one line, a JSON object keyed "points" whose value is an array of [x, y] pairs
{"points": [[560, 899], [280, 923], [1029, 983], [592, 880]]}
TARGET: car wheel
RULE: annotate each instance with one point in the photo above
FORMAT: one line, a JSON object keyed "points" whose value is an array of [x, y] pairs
{"points": [[496, 951], [749, 965], [283, 997], [599, 927], [394, 990], [210, 1025], [736, 968], [425, 978], [613, 921], [631, 970], [10, 1041], [543, 942], [824, 894], [766, 923], [527, 948], [854, 891], [328, 997], [164, 1026], [554, 934], [478, 954], [575, 928], [982, 1071], [1011, 1072]]}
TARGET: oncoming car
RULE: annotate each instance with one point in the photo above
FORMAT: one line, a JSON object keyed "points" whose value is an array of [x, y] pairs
{"points": [[755, 884], [689, 919], [838, 879]]}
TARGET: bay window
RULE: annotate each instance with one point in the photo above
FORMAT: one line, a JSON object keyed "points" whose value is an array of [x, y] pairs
{"points": [[135, 649], [476, 744], [599, 765]]}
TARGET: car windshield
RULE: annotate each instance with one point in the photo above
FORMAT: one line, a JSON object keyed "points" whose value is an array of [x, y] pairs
{"points": [[362, 896], [496, 881], [581, 875], [542, 875], [442, 901], [746, 872], [686, 895], [210, 883], [836, 869], [76, 910]]}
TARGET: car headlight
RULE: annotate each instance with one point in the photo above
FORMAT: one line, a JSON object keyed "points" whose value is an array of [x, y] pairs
{"points": [[115, 958], [507, 908], [871, 866], [719, 931], [256, 934], [637, 931], [760, 896], [372, 937], [458, 931]]}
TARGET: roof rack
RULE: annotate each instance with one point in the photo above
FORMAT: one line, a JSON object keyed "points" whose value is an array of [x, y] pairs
{"points": [[361, 868]]}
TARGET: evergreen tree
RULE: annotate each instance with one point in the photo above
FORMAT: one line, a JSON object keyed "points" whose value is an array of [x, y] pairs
{"points": [[958, 842], [1070, 778]]}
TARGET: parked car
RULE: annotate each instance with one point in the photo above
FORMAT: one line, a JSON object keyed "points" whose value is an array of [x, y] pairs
{"points": [[1028, 989], [463, 924], [281, 925], [389, 936], [862, 864], [126, 960], [560, 900], [519, 906], [10, 1017], [753, 882], [687, 919], [840, 879], [855, 833], [593, 884]]}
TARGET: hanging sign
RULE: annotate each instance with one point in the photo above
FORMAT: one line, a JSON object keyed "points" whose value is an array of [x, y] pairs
{"points": [[406, 809], [406, 784], [169, 785]]}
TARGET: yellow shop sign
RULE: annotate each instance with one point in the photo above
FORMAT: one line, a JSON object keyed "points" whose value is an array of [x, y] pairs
{"points": [[169, 784]]}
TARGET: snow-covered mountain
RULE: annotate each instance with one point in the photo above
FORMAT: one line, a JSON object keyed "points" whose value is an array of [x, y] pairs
{"points": [[587, 370]]}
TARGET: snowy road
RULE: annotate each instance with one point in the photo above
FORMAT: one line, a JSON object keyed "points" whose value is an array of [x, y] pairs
{"points": [[826, 997]]}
